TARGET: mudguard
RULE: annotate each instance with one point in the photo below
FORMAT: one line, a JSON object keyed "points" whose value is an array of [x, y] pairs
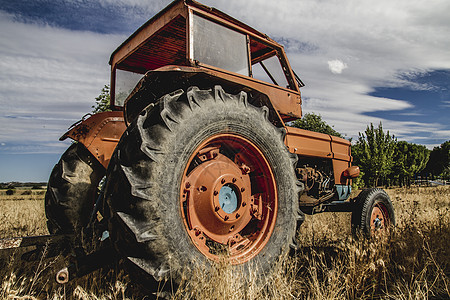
{"points": [[99, 133]]}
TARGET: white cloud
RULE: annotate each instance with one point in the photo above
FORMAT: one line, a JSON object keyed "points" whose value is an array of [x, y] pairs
{"points": [[49, 78], [337, 66]]}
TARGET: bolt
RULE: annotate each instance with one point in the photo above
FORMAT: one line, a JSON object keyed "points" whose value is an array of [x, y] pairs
{"points": [[226, 218], [215, 193], [245, 169], [237, 216], [244, 203], [216, 208], [223, 180], [242, 190], [188, 185], [234, 180]]}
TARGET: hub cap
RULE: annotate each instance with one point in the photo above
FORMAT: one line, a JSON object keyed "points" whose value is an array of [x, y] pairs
{"points": [[379, 219], [228, 198]]}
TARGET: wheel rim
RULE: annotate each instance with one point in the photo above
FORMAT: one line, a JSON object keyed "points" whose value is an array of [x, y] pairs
{"points": [[228, 198], [379, 219]]}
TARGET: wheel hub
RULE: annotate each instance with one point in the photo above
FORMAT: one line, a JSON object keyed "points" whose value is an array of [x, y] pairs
{"points": [[378, 219], [228, 198], [219, 193]]}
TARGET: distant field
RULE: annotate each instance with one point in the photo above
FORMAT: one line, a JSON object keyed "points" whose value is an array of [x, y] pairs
{"points": [[22, 213], [413, 263]]}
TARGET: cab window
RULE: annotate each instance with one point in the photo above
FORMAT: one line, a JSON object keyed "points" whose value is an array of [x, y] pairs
{"points": [[270, 70], [219, 46]]}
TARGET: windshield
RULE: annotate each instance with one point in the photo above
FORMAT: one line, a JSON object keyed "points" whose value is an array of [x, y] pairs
{"points": [[124, 85], [219, 46]]}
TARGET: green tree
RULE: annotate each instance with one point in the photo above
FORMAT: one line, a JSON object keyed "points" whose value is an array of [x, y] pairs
{"points": [[439, 162], [102, 102], [409, 159], [313, 122], [373, 153]]}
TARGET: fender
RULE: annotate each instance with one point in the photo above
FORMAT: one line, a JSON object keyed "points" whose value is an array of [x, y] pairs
{"points": [[159, 82], [99, 133]]}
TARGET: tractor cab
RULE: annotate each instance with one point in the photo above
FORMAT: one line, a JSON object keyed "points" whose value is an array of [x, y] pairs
{"points": [[189, 37]]}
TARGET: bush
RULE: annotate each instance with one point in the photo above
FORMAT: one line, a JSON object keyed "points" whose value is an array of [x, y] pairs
{"points": [[10, 192]]}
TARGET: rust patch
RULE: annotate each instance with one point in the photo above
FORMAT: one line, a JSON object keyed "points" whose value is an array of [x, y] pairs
{"points": [[81, 131]]}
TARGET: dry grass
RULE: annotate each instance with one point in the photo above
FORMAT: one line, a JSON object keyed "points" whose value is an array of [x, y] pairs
{"points": [[22, 214], [412, 263]]}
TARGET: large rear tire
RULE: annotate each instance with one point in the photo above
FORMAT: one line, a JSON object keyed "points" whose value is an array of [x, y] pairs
{"points": [[198, 175], [72, 191]]}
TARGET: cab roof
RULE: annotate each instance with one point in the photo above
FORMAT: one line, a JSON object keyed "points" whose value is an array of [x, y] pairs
{"points": [[163, 39]]}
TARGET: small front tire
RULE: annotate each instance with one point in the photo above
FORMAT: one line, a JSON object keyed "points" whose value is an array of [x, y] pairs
{"points": [[373, 214]]}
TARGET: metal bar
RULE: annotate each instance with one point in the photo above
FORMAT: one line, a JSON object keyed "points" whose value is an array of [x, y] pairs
{"points": [[268, 73], [335, 206], [27, 241]]}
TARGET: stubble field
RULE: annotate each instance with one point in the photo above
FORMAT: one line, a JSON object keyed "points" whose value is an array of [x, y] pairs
{"points": [[412, 263]]}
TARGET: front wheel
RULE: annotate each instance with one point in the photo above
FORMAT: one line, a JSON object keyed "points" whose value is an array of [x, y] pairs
{"points": [[373, 214], [200, 175]]}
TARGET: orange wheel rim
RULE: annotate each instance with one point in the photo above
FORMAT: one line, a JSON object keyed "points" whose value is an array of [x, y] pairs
{"points": [[228, 198], [379, 219]]}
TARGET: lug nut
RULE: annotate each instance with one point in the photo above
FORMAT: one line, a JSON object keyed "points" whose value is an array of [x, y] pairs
{"points": [[242, 190], [216, 208], [226, 218], [188, 185], [237, 216], [244, 203], [223, 180], [215, 193], [234, 180]]}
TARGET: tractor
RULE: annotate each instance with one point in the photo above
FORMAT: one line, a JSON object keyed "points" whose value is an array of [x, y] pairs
{"points": [[196, 159]]}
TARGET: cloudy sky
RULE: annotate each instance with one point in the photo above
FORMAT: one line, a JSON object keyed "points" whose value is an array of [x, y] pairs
{"points": [[362, 62]]}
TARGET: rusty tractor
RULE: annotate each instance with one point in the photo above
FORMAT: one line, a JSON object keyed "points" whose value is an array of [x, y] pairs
{"points": [[196, 160]]}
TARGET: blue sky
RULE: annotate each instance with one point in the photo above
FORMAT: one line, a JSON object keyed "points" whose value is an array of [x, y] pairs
{"points": [[362, 61]]}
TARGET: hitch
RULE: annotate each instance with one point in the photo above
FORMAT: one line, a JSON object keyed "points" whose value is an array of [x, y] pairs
{"points": [[80, 265], [83, 265]]}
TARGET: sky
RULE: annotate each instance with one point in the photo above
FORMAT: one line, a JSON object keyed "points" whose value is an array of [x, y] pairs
{"points": [[362, 61]]}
